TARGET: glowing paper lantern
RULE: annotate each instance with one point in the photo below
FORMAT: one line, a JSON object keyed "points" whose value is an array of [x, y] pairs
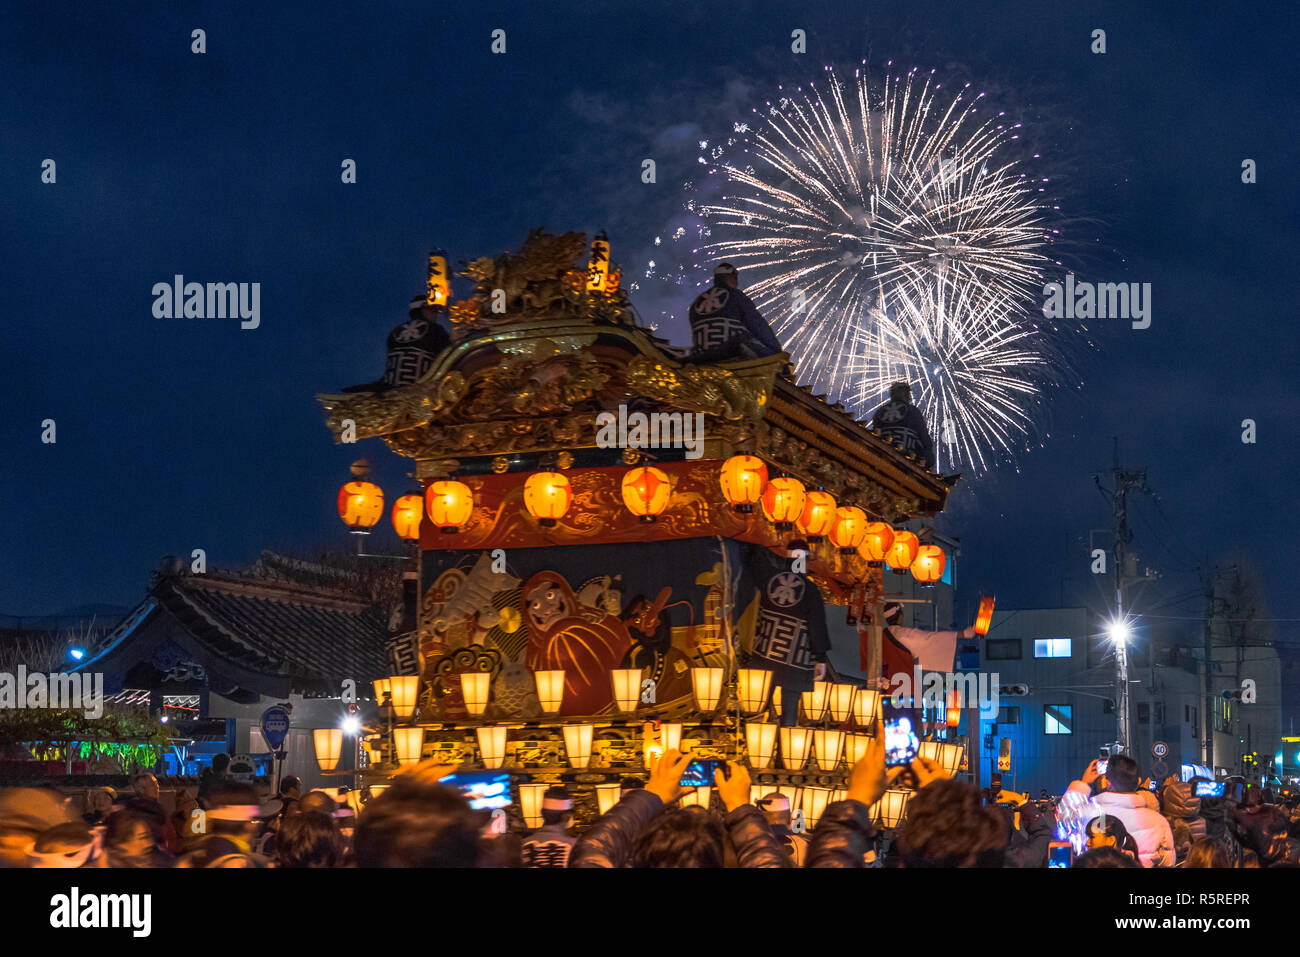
{"points": [[855, 747], [438, 282], [902, 552], [866, 707], [706, 683], [827, 745], [406, 516], [760, 739], [492, 744], [752, 685], [449, 504], [840, 702], [928, 566], [405, 689], [607, 795], [815, 800], [474, 689], [577, 744], [383, 688], [550, 689], [530, 803], [598, 265], [929, 750], [818, 515], [627, 687], [875, 543], [329, 745], [409, 743], [985, 616], [743, 478], [547, 496], [783, 502], [670, 736], [795, 743], [891, 808], [951, 757], [814, 702], [646, 492], [849, 528], [360, 504], [696, 797]]}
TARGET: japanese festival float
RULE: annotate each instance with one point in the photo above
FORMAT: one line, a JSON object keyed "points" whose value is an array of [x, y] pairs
{"points": [[584, 603]]}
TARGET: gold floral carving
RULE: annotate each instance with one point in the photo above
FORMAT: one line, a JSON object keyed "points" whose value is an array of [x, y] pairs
{"points": [[709, 389], [405, 407]]}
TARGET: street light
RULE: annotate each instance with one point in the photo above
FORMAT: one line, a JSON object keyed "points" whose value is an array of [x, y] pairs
{"points": [[1119, 631]]}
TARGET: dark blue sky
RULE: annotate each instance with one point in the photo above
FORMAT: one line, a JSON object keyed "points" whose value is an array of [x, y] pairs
{"points": [[177, 434]]}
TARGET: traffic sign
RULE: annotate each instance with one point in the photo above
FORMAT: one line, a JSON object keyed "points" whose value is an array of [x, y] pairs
{"points": [[275, 726], [1159, 749]]}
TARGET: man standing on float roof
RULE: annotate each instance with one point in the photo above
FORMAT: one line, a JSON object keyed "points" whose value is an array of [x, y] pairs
{"points": [[899, 419], [725, 323]]}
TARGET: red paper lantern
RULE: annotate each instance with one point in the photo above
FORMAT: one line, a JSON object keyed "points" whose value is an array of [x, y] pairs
{"points": [[449, 504], [928, 566], [783, 502], [547, 496], [360, 504], [818, 515], [875, 543], [849, 528], [902, 552], [407, 512], [646, 492], [743, 478]]}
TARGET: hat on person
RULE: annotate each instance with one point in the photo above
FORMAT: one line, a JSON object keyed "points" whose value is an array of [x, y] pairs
{"points": [[724, 269], [776, 801]]}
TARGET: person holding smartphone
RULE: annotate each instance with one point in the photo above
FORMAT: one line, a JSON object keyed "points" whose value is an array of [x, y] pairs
{"points": [[1120, 796]]}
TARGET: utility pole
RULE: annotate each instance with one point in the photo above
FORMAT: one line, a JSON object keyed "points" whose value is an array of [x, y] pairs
{"points": [[1126, 480], [1208, 716]]}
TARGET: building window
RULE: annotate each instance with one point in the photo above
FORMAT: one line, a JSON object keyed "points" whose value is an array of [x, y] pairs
{"points": [[1052, 648], [1002, 649], [1160, 712], [1222, 714], [1144, 713], [1009, 714], [1056, 719]]}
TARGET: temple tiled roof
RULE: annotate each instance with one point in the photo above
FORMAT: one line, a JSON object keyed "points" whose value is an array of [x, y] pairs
{"points": [[270, 637]]}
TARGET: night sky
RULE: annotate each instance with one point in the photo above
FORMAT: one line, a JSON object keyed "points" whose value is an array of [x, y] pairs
{"points": [[176, 434]]}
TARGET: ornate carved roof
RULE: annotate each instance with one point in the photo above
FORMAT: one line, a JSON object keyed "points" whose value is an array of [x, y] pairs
{"points": [[529, 381]]}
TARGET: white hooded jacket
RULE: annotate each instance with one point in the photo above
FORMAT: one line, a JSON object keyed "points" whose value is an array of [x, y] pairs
{"points": [[1148, 827]]}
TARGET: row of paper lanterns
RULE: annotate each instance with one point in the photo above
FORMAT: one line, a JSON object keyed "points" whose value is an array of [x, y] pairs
{"points": [[835, 700], [647, 491]]}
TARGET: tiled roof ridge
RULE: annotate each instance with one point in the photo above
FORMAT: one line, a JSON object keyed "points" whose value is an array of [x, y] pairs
{"points": [[273, 589]]}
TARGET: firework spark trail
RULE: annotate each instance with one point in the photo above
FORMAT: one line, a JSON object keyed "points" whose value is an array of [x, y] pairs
{"points": [[892, 237]]}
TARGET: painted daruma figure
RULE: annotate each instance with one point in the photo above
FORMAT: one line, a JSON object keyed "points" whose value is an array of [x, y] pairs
{"points": [[587, 643]]}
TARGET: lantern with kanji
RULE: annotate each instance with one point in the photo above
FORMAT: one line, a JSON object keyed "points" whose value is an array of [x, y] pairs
{"points": [[449, 504], [743, 478], [783, 501], [547, 496], [818, 515], [407, 512], [849, 528], [598, 265], [646, 491], [875, 543], [438, 281], [928, 566], [902, 552], [360, 503]]}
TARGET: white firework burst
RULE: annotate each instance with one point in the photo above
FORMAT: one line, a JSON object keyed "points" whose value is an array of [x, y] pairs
{"points": [[850, 205], [975, 371]]}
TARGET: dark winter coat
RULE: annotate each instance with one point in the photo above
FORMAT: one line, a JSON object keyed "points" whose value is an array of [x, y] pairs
{"points": [[843, 836], [610, 841]]}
